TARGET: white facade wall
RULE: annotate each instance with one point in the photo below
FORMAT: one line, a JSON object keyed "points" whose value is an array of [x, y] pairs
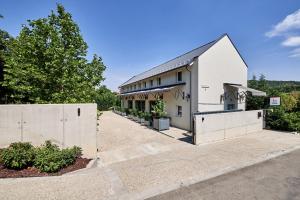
{"points": [[218, 65], [59, 123]]}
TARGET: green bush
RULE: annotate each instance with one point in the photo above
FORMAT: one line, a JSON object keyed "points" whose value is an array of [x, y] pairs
{"points": [[18, 155], [147, 116], [159, 109], [49, 158], [278, 119]]}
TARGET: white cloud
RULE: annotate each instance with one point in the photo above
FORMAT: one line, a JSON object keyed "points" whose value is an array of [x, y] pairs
{"points": [[295, 53], [292, 41], [290, 22]]}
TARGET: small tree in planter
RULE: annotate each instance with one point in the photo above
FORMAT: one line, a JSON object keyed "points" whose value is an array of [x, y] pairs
{"points": [[160, 119], [147, 118], [123, 113], [141, 117], [130, 113], [135, 114]]}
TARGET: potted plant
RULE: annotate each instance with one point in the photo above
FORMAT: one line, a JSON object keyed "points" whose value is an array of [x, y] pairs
{"points": [[160, 119], [130, 114], [135, 114], [141, 117], [123, 113], [147, 118]]}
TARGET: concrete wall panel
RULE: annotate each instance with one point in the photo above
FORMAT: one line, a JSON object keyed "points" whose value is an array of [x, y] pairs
{"points": [[218, 126], [60, 123]]}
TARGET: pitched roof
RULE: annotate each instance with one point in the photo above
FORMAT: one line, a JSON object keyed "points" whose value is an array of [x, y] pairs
{"points": [[175, 63]]}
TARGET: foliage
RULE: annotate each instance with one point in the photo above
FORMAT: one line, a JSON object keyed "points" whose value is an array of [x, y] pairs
{"points": [[46, 62], [288, 102], [18, 155], [159, 109], [5, 38], [134, 112], [49, 158], [147, 116], [106, 99], [140, 114], [278, 119]]}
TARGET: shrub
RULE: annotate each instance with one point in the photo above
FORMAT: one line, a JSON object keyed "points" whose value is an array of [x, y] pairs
{"points": [[278, 119], [159, 109], [147, 116], [49, 158], [18, 155]]}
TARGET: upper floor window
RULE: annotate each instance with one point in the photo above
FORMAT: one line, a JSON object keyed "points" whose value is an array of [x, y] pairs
{"points": [[134, 87], [179, 76], [151, 83], [140, 85], [145, 84], [179, 111], [159, 81]]}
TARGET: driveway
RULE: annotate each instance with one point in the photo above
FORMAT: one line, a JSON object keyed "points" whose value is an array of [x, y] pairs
{"points": [[121, 139], [138, 163]]}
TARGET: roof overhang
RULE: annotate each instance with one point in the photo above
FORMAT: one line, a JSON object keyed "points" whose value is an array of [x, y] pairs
{"points": [[160, 89], [253, 91]]}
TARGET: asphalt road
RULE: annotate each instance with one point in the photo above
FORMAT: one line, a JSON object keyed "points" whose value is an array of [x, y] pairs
{"points": [[274, 179]]}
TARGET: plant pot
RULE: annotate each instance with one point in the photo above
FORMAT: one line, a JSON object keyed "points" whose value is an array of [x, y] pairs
{"points": [[142, 120], [161, 124], [146, 123]]}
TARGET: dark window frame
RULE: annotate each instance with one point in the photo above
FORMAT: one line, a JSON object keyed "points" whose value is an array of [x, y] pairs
{"points": [[179, 111], [179, 76]]}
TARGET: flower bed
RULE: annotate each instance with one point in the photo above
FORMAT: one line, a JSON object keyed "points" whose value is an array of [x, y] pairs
{"points": [[24, 160]]}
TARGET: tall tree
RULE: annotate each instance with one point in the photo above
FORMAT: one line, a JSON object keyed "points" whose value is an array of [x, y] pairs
{"points": [[47, 62], [4, 40]]}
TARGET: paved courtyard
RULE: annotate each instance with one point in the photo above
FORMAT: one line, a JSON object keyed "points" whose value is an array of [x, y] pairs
{"points": [[137, 163]]}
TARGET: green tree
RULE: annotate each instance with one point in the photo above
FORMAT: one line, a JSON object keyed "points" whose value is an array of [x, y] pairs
{"points": [[106, 99], [47, 62], [257, 102], [5, 38]]}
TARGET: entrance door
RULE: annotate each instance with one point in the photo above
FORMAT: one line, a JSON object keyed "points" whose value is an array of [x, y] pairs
{"points": [[230, 98]]}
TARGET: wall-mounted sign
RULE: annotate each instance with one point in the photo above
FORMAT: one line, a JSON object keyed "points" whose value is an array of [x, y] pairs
{"points": [[274, 101]]}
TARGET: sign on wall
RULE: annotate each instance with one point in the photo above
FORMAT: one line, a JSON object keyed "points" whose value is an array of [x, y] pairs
{"points": [[274, 101]]}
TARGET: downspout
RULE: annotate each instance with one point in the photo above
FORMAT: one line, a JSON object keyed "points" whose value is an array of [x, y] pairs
{"points": [[190, 93]]}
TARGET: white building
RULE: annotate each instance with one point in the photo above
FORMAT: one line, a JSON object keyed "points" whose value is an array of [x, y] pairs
{"points": [[212, 77]]}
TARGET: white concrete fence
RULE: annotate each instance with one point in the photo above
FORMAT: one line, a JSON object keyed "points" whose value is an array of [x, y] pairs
{"points": [[64, 124], [211, 127]]}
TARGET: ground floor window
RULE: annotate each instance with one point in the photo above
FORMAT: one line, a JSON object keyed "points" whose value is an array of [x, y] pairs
{"points": [[130, 104], [179, 111], [140, 105]]}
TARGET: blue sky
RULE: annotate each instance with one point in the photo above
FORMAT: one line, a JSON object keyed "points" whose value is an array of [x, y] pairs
{"points": [[134, 35]]}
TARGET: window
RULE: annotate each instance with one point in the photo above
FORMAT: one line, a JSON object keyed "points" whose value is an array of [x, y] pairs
{"points": [[179, 76], [131, 88], [130, 104], [158, 81], [140, 85], [179, 111], [145, 84], [140, 105], [134, 87], [151, 83]]}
